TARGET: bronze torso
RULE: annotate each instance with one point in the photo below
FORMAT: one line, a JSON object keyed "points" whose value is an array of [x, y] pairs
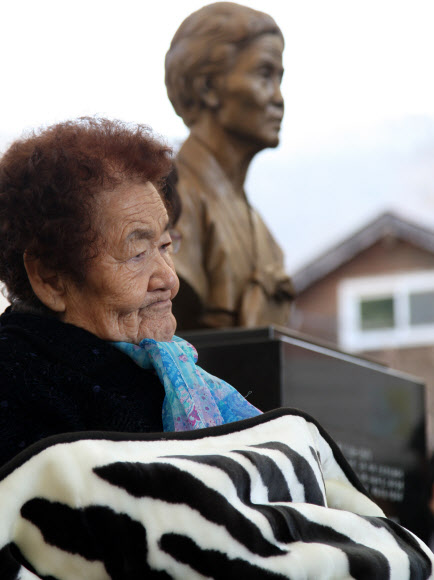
{"points": [[231, 268]]}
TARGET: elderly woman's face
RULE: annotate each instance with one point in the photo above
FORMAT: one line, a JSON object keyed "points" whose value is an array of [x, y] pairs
{"points": [[129, 287]]}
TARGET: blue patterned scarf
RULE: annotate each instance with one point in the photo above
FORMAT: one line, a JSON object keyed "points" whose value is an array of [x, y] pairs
{"points": [[194, 398]]}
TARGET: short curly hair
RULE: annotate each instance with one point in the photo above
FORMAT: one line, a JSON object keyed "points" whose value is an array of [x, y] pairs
{"points": [[205, 45], [48, 183]]}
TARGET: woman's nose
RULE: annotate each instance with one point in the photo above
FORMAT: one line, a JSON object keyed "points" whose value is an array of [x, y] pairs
{"points": [[164, 276]]}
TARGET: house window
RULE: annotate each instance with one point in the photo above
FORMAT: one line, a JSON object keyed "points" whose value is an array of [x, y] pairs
{"points": [[421, 308], [379, 312]]}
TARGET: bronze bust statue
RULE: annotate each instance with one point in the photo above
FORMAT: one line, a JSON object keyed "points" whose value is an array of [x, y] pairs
{"points": [[223, 76]]}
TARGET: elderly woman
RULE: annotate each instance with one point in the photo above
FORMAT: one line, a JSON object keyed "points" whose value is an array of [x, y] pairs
{"points": [[223, 74], [86, 259]]}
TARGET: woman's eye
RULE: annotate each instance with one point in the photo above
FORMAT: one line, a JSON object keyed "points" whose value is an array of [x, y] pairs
{"points": [[166, 247], [138, 256]]}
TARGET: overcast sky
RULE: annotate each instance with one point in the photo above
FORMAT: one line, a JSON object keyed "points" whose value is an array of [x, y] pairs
{"points": [[358, 133]]}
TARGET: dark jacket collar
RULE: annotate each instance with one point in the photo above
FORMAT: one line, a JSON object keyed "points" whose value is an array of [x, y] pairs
{"points": [[61, 341]]}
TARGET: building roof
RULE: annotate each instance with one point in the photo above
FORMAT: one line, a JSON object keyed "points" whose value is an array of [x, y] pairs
{"points": [[385, 225]]}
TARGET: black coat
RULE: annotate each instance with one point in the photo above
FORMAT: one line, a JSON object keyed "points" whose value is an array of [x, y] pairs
{"points": [[57, 378]]}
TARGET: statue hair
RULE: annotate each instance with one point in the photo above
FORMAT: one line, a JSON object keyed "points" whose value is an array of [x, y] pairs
{"points": [[205, 45]]}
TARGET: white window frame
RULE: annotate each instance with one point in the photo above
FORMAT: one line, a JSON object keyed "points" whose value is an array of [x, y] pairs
{"points": [[398, 286]]}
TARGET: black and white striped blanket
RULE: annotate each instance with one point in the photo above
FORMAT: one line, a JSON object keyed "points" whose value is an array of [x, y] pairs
{"points": [[271, 497]]}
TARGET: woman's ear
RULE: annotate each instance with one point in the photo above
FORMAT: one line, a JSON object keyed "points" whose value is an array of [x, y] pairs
{"points": [[47, 284], [206, 87]]}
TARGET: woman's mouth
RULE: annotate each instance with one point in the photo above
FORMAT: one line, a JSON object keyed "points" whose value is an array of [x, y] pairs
{"points": [[161, 304]]}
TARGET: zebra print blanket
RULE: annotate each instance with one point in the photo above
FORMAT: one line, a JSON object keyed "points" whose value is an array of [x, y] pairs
{"points": [[266, 498]]}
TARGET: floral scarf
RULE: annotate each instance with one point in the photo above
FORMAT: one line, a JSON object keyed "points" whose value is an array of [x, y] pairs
{"points": [[194, 398]]}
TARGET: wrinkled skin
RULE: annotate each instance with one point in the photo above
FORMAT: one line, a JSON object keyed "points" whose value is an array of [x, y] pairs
{"points": [[128, 291], [251, 103]]}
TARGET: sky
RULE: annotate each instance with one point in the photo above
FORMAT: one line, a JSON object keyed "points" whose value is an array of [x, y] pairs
{"points": [[358, 134]]}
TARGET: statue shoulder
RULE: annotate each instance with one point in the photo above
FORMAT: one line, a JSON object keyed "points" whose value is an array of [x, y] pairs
{"points": [[199, 175], [189, 183]]}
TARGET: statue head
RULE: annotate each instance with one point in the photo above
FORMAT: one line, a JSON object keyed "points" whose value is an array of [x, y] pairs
{"points": [[211, 63]]}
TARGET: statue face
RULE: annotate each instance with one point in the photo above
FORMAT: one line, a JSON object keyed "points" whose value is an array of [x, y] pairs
{"points": [[250, 101]]}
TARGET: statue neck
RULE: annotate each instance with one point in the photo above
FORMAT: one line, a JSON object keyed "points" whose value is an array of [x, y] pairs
{"points": [[232, 153]]}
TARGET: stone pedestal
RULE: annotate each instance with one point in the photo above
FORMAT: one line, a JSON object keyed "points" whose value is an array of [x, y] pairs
{"points": [[375, 414]]}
